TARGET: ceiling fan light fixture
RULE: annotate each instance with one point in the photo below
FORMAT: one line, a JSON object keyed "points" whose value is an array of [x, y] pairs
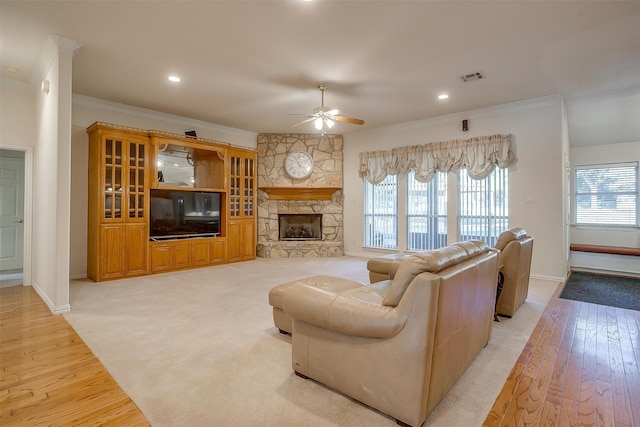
{"points": [[324, 118]]}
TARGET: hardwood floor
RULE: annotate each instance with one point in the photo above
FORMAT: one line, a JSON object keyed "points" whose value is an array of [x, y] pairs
{"points": [[48, 376], [581, 366]]}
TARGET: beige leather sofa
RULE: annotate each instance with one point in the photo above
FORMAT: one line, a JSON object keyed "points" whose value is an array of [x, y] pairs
{"points": [[397, 345], [380, 268], [515, 249], [283, 320]]}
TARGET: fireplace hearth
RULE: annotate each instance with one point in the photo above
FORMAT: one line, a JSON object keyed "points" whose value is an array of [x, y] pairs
{"points": [[300, 227]]}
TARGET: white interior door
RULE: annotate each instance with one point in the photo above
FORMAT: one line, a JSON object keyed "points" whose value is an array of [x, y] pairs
{"points": [[11, 213]]}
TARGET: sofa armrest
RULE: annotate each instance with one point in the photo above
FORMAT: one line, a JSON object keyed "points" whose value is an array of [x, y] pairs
{"points": [[393, 268], [342, 313]]}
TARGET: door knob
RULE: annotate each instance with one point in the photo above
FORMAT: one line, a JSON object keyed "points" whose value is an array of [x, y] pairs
{"points": [[19, 221]]}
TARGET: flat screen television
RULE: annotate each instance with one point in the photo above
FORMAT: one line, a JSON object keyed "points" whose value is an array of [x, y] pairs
{"points": [[178, 214]]}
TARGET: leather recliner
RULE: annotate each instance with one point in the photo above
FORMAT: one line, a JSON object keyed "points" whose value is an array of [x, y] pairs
{"points": [[397, 345], [514, 260]]}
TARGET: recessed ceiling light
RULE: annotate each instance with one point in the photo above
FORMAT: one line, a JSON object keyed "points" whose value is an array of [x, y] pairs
{"points": [[443, 96], [174, 79]]}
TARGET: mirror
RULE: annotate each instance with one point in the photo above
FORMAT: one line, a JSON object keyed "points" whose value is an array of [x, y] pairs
{"points": [[175, 166], [180, 166]]}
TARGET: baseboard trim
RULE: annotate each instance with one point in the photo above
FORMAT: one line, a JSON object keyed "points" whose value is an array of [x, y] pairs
{"points": [[548, 278], [54, 309], [605, 271]]}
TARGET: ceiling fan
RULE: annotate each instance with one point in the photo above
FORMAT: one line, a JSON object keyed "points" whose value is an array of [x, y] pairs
{"points": [[324, 118]]}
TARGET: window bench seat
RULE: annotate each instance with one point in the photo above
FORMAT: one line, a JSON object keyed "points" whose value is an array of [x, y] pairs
{"points": [[614, 250]]}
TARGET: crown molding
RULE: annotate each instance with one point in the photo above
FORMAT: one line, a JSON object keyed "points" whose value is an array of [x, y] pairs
{"points": [[528, 104], [50, 50], [89, 101]]}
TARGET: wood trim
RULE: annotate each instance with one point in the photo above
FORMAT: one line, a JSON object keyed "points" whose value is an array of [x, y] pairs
{"points": [[300, 193], [600, 249]]}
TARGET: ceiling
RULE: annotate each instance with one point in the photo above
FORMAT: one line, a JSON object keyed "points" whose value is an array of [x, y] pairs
{"points": [[251, 64]]}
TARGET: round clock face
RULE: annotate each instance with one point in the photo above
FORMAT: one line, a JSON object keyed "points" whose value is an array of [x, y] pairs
{"points": [[298, 164]]}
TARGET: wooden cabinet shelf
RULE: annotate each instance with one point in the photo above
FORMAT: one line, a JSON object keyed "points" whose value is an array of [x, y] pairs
{"points": [[242, 221], [300, 193], [126, 164], [118, 203]]}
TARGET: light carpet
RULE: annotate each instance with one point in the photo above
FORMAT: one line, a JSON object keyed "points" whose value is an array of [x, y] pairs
{"points": [[199, 348]]}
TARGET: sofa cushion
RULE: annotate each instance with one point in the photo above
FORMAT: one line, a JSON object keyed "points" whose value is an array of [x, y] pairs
{"points": [[514, 233], [357, 311], [432, 262]]}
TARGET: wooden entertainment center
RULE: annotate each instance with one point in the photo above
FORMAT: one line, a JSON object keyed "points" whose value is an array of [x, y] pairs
{"points": [[128, 166]]}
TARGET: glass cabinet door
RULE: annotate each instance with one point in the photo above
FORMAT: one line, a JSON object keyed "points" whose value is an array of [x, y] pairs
{"points": [[234, 187], [136, 179], [112, 191], [241, 188], [247, 202]]}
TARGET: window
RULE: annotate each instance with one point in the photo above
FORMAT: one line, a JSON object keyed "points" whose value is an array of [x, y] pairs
{"points": [[426, 213], [419, 217], [606, 194], [381, 213], [483, 206]]}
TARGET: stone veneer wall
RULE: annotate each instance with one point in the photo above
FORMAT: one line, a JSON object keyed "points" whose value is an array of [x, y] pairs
{"points": [[327, 156]]}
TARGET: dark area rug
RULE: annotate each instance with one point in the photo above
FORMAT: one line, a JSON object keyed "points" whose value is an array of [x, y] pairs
{"points": [[621, 292]]}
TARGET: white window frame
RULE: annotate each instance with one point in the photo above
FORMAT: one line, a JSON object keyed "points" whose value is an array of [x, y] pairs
{"points": [[606, 218], [483, 206], [426, 216], [495, 221], [381, 213]]}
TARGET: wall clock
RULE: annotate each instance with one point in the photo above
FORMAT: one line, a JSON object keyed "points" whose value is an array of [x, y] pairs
{"points": [[298, 165]]}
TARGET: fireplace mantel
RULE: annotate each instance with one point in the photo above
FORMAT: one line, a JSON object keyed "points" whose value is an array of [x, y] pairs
{"points": [[300, 193]]}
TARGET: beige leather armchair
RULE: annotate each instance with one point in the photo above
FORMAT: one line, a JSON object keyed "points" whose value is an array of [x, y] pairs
{"points": [[516, 249], [397, 345]]}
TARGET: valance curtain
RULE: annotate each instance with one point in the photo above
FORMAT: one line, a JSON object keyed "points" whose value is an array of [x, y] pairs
{"points": [[479, 155]]}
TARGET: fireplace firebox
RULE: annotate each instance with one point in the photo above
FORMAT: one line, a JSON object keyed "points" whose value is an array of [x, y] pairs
{"points": [[300, 226]]}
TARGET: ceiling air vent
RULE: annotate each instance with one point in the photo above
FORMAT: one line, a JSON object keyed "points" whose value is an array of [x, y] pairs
{"points": [[471, 77]]}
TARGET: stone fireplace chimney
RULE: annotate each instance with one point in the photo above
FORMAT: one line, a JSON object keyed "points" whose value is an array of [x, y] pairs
{"points": [[320, 194]]}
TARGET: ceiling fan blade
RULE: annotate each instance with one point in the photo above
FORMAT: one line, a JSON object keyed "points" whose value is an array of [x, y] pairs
{"points": [[348, 120], [303, 122]]}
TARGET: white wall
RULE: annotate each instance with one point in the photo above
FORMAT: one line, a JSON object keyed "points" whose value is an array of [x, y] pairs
{"points": [[17, 116], [625, 237], [86, 111], [609, 118], [52, 174], [537, 137], [18, 132]]}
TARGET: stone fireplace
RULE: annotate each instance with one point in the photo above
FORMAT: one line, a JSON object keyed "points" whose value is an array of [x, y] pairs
{"points": [[299, 227], [286, 205]]}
